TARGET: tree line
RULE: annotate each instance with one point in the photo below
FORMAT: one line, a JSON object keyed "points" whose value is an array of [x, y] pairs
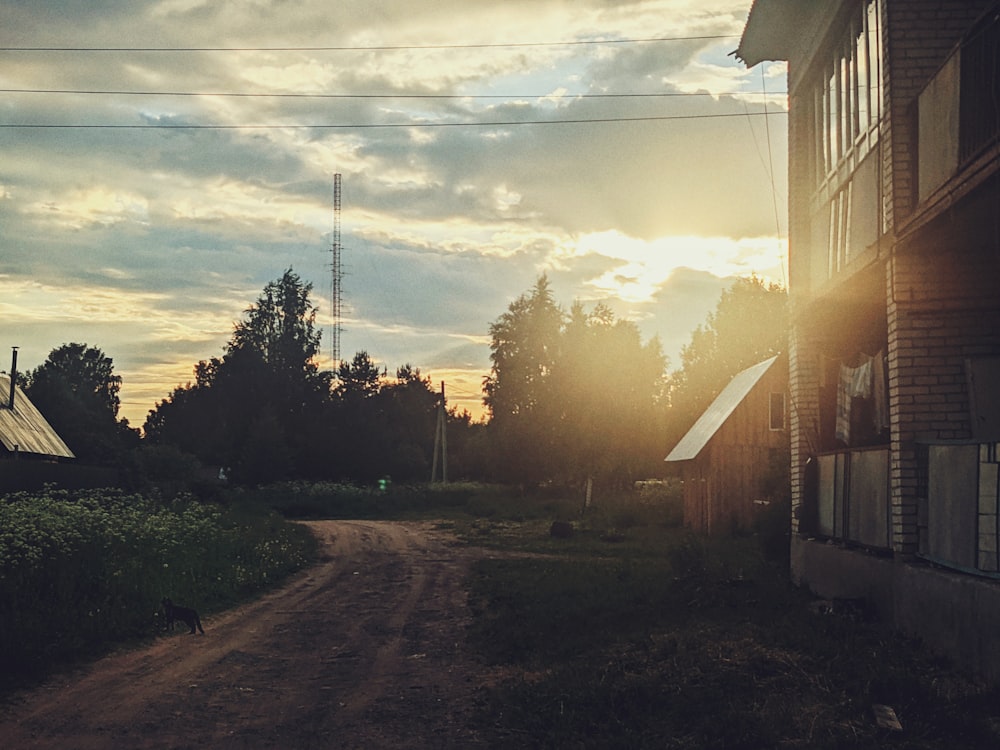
{"points": [[572, 396]]}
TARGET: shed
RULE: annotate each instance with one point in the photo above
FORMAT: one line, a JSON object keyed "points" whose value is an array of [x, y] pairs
{"points": [[23, 429], [732, 455]]}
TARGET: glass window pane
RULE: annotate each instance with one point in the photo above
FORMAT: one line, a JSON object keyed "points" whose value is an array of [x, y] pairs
{"points": [[833, 242], [845, 104], [777, 411], [833, 99], [861, 81], [847, 101], [819, 140], [874, 63]]}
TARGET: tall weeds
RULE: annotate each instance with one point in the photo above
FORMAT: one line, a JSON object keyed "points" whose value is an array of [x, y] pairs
{"points": [[80, 570]]}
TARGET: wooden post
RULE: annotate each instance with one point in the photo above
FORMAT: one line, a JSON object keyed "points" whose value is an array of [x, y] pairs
{"points": [[441, 442], [443, 421]]}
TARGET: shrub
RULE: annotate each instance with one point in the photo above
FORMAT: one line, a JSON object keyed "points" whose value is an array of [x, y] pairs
{"points": [[80, 570], [773, 528]]}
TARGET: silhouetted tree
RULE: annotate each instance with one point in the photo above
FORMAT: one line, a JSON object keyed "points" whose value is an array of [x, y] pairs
{"points": [[409, 406], [609, 387], [359, 379], [469, 452], [749, 324], [572, 396], [383, 427], [76, 388], [260, 408], [518, 390]]}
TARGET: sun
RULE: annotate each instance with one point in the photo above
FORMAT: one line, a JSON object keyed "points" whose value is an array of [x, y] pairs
{"points": [[643, 267]]}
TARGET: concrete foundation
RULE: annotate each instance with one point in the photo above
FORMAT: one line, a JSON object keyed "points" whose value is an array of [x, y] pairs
{"points": [[956, 615]]}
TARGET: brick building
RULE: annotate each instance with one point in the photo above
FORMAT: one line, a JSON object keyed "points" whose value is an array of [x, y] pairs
{"points": [[894, 282]]}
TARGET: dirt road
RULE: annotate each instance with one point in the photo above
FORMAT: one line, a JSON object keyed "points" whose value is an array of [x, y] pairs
{"points": [[363, 650]]}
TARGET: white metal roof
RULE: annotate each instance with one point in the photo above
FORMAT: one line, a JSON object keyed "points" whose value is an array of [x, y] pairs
{"points": [[718, 412], [24, 429]]}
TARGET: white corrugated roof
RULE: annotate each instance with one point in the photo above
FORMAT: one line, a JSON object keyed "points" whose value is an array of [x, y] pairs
{"points": [[718, 412], [24, 429]]}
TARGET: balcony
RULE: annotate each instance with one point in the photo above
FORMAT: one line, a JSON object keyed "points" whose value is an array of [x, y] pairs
{"points": [[979, 120], [958, 506], [958, 114], [852, 497]]}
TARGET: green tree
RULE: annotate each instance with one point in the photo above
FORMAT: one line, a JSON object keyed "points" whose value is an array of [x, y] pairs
{"points": [[609, 387], [359, 379], [572, 397], [384, 427], [409, 405], [359, 423], [76, 388], [84, 371], [518, 390], [749, 324], [281, 328], [260, 409]]}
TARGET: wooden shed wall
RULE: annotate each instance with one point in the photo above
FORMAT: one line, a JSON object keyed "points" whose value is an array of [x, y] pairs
{"points": [[722, 483]]}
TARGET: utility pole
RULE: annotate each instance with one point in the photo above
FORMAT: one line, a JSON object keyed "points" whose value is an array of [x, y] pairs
{"points": [[441, 442], [338, 276]]}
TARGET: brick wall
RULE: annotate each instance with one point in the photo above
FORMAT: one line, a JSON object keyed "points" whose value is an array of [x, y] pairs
{"points": [[802, 357], [918, 36], [943, 308], [934, 304], [803, 416]]}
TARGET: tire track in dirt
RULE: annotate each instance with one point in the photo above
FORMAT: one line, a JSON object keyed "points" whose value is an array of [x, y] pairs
{"points": [[364, 649]]}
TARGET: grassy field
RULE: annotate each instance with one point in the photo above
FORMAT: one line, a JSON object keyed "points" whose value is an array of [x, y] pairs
{"points": [[636, 634], [631, 633]]}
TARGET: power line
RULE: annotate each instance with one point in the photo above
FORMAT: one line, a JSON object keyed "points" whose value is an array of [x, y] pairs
{"points": [[770, 171], [372, 126], [285, 95], [463, 392], [379, 48]]}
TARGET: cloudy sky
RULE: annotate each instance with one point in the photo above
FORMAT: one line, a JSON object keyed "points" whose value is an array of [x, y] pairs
{"points": [[162, 160]]}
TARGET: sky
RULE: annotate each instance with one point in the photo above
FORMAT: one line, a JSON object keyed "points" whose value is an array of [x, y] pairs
{"points": [[162, 160]]}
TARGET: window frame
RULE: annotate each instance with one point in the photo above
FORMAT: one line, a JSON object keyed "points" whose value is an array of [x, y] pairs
{"points": [[773, 397], [847, 98]]}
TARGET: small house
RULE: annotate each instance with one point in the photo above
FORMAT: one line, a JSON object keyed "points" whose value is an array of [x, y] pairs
{"points": [[731, 457], [24, 432], [31, 452]]}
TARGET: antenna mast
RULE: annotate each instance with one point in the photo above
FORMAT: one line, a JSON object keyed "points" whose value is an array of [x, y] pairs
{"points": [[338, 275]]}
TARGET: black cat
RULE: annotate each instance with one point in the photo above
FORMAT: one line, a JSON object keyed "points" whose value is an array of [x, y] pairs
{"points": [[185, 614]]}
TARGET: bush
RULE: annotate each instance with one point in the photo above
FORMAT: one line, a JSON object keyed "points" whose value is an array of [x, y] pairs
{"points": [[689, 558], [773, 527], [387, 500], [81, 570]]}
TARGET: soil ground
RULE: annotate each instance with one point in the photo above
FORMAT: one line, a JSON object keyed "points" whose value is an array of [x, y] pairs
{"points": [[363, 650]]}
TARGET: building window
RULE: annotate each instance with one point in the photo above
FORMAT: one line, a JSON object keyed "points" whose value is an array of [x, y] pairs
{"points": [[980, 115], [777, 411], [847, 98], [840, 230]]}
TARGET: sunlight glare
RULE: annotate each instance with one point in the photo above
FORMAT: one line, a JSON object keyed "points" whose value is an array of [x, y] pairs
{"points": [[644, 267]]}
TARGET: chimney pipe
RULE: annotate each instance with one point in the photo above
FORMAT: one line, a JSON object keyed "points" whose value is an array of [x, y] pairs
{"points": [[13, 376]]}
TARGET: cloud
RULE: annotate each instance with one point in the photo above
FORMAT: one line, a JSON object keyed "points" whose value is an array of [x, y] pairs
{"points": [[150, 243]]}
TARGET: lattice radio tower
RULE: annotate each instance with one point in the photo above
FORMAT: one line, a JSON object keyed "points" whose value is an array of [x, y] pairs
{"points": [[337, 277]]}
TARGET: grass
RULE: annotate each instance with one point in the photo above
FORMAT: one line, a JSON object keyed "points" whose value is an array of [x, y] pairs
{"points": [[663, 639], [633, 633], [82, 572]]}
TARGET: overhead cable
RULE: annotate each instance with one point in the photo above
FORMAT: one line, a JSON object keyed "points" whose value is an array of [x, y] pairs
{"points": [[379, 47], [368, 126], [295, 95]]}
